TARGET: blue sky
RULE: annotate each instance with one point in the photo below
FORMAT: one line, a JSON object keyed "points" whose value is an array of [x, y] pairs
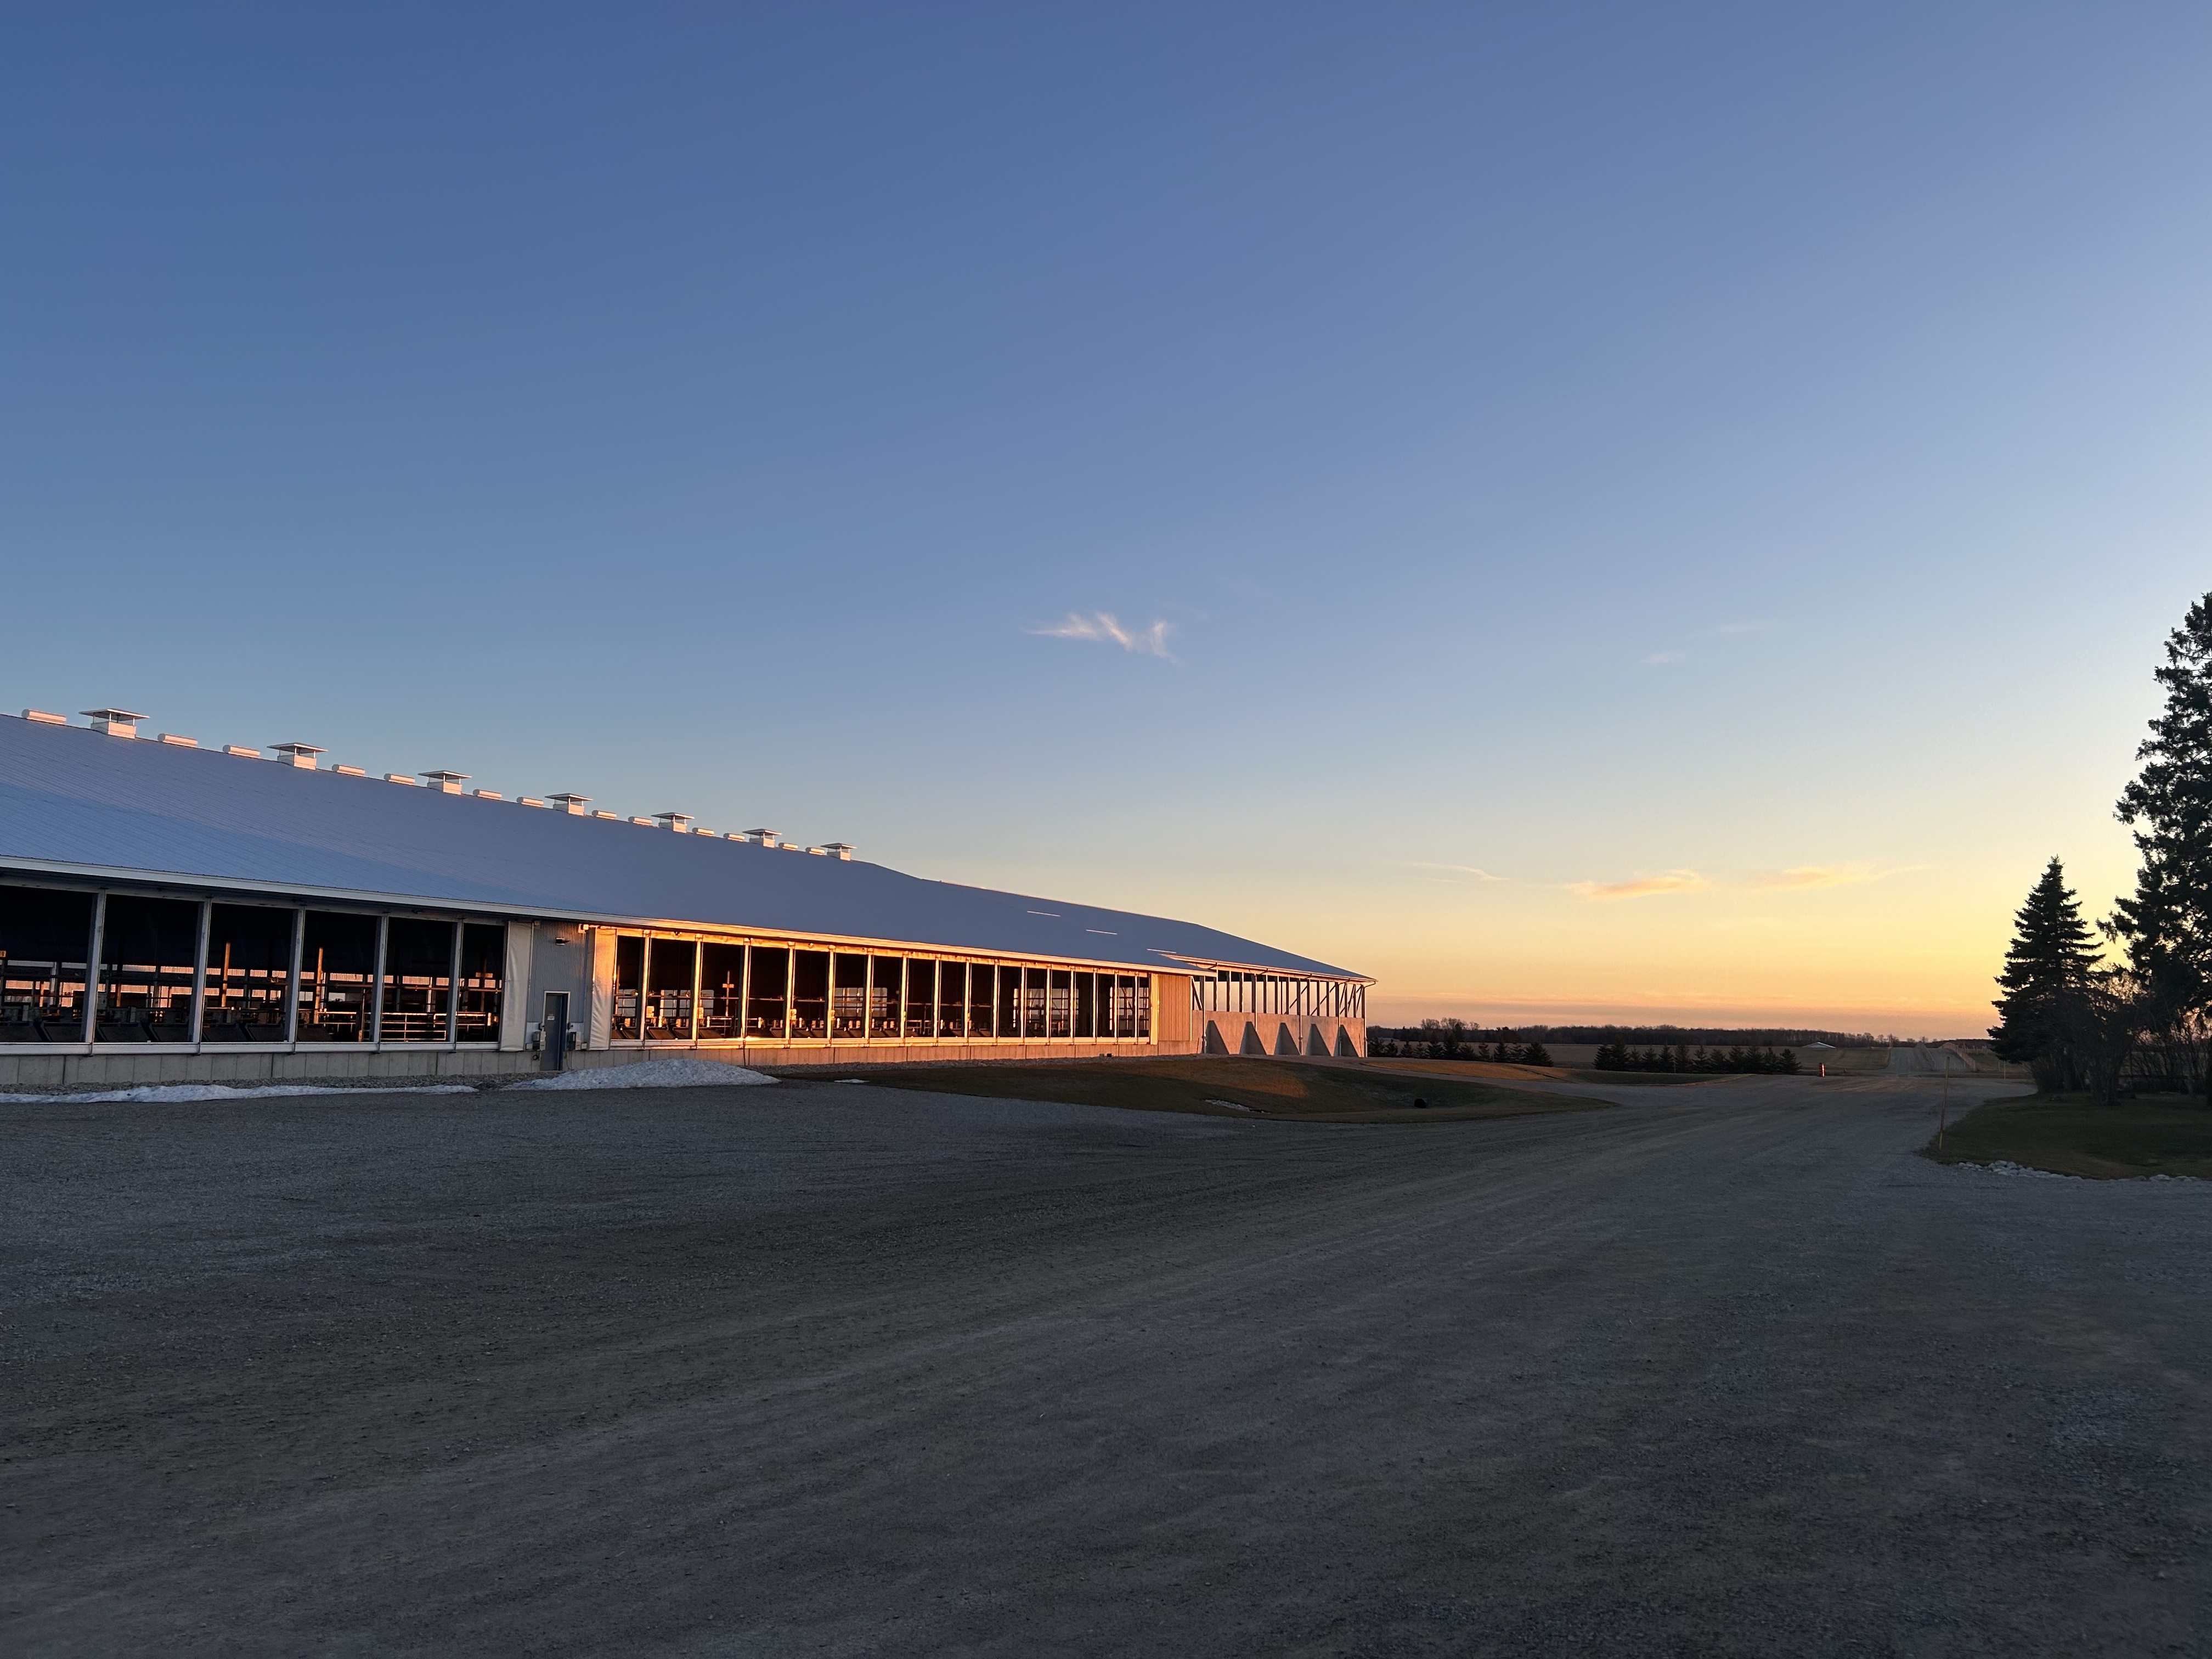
{"points": [[1561, 451]]}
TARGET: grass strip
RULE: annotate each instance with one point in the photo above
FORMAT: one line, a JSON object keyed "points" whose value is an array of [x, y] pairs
{"points": [[1218, 1087], [1509, 1069], [2071, 1134]]}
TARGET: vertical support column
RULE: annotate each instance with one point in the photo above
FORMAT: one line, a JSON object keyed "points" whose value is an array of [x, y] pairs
{"points": [[453, 990], [199, 967], [698, 969], [92, 966], [376, 991], [292, 986], [744, 990]]}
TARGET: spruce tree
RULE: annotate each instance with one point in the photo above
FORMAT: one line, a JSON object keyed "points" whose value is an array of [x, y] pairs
{"points": [[1537, 1055], [2166, 925], [2045, 979]]}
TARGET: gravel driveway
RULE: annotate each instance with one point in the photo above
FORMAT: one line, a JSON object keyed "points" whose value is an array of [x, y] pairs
{"points": [[832, 1369]]}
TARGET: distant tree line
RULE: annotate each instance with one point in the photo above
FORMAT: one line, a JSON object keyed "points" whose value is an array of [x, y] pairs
{"points": [[1669, 1037], [2128, 1006], [1763, 1058]]}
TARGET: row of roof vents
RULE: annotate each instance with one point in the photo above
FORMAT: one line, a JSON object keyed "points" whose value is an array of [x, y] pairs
{"points": [[122, 723]]}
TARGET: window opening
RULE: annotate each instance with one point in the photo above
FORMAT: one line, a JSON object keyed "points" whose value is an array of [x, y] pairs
{"points": [[337, 977], [886, 986], [922, 978], [670, 965], [249, 972], [982, 998], [1086, 1004], [484, 981], [951, 999], [1009, 1001], [1060, 1003], [848, 995], [418, 967], [1033, 1015], [629, 988], [722, 990], [767, 990], [810, 994], [44, 935], [146, 951]]}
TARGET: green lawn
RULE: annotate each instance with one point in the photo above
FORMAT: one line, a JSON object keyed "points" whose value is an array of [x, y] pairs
{"points": [[2157, 1134], [1268, 1088]]}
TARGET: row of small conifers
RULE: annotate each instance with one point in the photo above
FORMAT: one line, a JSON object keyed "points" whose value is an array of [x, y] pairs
{"points": [[1770, 1062]]}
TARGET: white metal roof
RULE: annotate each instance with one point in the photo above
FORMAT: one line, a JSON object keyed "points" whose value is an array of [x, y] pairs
{"points": [[79, 802]]}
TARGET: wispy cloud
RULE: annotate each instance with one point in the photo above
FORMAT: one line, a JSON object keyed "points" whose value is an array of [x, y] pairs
{"points": [[1825, 875], [1674, 881], [1457, 869], [1721, 630], [1102, 626]]}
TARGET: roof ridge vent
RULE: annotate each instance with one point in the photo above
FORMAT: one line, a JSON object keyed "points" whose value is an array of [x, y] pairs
{"points": [[42, 717], [762, 837], [839, 849], [446, 782], [679, 821], [116, 722], [301, 755], [572, 804]]}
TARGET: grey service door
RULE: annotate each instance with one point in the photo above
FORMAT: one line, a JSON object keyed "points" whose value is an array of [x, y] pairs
{"points": [[553, 1045]]}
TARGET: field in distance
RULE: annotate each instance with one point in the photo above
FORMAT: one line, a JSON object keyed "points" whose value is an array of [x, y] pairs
{"points": [[1227, 1087]]}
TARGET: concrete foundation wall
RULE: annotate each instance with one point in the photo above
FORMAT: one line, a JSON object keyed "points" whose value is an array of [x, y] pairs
{"points": [[126, 1068], [1283, 1037]]}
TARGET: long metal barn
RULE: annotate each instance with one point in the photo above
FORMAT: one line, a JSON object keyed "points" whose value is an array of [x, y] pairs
{"points": [[172, 913]]}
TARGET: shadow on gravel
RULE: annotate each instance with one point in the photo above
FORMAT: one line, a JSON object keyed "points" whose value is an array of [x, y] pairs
{"points": [[1236, 1087]]}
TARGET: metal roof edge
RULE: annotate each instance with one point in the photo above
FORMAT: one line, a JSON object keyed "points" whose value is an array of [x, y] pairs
{"points": [[1342, 977]]}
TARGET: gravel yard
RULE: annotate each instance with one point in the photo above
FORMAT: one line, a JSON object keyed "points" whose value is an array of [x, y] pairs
{"points": [[837, 1369]]}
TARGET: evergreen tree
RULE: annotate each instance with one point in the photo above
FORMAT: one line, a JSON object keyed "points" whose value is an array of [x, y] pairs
{"points": [[1789, 1063], [1702, 1062], [1537, 1055], [2045, 979], [2166, 925]]}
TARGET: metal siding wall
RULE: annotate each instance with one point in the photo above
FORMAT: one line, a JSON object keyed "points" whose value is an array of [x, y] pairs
{"points": [[1171, 1017]]}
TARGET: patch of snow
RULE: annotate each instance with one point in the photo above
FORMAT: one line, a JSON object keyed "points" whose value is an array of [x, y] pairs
{"points": [[1231, 1104], [192, 1093], [2005, 1166], [678, 1072]]}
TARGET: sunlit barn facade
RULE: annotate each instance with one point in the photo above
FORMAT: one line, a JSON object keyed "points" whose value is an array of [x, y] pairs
{"points": [[172, 913]]}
